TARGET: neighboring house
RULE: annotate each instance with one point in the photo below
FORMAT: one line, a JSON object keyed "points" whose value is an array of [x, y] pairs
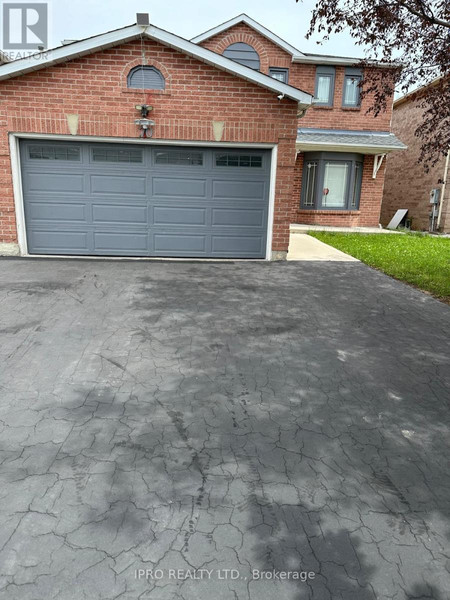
{"points": [[407, 183], [238, 149]]}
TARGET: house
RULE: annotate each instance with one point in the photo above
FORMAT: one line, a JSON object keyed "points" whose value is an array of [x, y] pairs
{"points": [[408, 185], [137, 142]]}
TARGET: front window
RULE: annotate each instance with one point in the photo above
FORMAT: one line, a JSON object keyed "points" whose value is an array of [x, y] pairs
{"points": [[279, 74], [243, 54], [324, 90], [146, 77], [310, 184], [352, 81], [331, 181], [335, 179]]}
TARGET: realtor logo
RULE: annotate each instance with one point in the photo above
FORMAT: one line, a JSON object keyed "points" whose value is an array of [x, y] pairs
{"points": [[25, 25]]}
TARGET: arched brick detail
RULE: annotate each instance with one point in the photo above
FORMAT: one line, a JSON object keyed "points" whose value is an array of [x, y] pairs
{"points": [[246, 38], [150, 62]]}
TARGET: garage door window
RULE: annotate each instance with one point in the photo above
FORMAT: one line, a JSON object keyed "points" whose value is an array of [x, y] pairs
{"points": [[178, 157], [114, 155], [54, 153], [239, 160]]}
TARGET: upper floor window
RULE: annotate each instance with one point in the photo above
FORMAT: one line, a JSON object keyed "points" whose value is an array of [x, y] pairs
{"points": [[324, 90], [145, 77], [331, 181], [279, 74], [352, 81], [243, 54]]}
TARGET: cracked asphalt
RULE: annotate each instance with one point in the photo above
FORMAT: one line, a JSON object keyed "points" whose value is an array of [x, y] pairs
{"points": [[246, 416]]}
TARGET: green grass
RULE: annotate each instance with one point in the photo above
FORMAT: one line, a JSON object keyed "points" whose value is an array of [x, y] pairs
{"points": [[421, 260]]}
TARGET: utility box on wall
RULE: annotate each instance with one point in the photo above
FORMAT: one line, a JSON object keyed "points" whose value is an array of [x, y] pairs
{"points": [[434, 201], [434, 196]]}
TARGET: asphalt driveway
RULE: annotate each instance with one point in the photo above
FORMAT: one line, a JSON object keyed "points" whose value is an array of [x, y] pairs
{"points": [[181, 430]]}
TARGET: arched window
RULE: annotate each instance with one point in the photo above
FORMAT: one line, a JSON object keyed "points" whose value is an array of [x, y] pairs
{"points": [[243, 54], [147, 78]]}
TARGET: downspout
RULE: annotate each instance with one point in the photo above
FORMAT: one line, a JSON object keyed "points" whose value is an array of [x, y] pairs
{"points": [[443, 189]]}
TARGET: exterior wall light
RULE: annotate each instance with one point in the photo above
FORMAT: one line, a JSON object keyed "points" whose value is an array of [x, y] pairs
{"points": [[146, 126]]}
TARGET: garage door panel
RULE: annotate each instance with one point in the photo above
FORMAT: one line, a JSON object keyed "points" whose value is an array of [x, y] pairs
{"points": [[179, 188], [233, 244], [245, 190], [176, 242], [119, 213], [184, 205], [56, 211], [55, 182], [179, 215], [48, 240], [117, 241], [238, 217], [118, 185]]}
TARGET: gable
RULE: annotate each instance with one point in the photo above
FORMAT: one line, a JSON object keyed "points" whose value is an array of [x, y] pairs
{"points": [[270, 54], [244, 19], [99, 82], [115, 38]]}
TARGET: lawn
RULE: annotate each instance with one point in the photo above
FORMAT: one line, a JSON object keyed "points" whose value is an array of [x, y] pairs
{"points": [[421, 260]]}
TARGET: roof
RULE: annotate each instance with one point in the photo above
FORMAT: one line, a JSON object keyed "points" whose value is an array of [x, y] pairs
{"points": [[412, 95], [341, 140], [118, 36], [243, 18], [297, 55], [3, 58]]}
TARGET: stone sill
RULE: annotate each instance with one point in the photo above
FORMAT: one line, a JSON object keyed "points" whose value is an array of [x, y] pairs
{"points": [[137, 91], [306, 211]]}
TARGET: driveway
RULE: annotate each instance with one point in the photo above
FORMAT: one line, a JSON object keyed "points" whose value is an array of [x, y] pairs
{"points": [[183, 430]]}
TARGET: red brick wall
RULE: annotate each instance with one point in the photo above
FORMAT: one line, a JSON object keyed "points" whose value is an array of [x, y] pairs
{"points": [[94, 87], [368, 214], [302, 76], [407, 184]]}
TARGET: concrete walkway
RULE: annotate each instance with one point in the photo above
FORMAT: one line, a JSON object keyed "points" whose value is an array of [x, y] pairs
{"points": [[305, 247]]}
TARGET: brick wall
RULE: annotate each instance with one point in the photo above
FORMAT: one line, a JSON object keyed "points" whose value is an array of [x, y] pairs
{"points": [[94, 87], [302, 76], [407, 184]]}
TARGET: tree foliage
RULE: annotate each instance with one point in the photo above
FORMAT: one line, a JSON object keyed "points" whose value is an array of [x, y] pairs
{"points": [[412, 33]]}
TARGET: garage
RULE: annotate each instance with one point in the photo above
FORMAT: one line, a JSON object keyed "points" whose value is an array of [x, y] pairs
{"points": [[144, 200]]}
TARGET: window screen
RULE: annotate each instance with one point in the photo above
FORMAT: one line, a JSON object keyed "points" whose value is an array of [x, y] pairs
{"points": [[238, 160], [54, 152], [179, 157], [144, 77], [117, 155]]}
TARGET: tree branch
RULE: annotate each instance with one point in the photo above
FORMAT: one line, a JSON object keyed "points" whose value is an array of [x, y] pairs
{"points": [[423, 15]]}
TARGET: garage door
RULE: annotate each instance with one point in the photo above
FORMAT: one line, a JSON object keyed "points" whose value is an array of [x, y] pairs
{"points": [[136, 200]]}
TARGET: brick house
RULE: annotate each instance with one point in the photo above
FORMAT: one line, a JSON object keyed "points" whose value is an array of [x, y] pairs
{"points": [[137, 142], [407, 183]]}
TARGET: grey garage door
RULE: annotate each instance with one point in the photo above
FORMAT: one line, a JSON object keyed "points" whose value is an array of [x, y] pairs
{"points": [[139, 200]]}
